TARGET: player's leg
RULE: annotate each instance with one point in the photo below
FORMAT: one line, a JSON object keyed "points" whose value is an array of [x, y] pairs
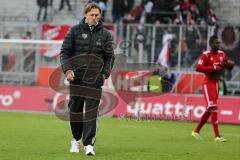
{"points": [[76, 105], [214, 118], [90, 124], [203, 120], [215, 114], [207, 95], [215, 123]]}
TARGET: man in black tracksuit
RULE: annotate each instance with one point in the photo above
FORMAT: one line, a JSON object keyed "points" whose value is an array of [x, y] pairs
{"points": [[87, 58]]}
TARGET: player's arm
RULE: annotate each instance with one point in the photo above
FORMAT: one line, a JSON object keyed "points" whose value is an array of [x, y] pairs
{"points": [[67, 51], [108, 56], [202, 67]]}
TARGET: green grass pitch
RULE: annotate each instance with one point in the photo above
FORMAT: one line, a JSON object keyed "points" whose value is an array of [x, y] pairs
{"points": [[25, 136]]}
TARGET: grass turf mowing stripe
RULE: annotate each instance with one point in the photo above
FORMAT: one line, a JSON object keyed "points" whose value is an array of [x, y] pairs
{"points": [[26, 136]]}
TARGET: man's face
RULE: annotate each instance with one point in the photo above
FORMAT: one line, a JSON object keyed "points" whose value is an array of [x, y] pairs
{"points": [[216, 44], [93, 17]]}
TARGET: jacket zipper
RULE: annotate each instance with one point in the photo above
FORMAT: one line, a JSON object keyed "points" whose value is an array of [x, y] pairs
{"points": [[91, 41]]}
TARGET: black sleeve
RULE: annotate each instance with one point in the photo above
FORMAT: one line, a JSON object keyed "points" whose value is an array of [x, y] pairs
{"points": [[67, 51], [108, 55]]}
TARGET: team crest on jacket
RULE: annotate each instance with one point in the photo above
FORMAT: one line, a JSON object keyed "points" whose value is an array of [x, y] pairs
{"points": [[98, 43], [84, 35]]}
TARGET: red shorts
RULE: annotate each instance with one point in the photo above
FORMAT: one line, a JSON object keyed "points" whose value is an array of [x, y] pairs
{"points": [[211, 92]]}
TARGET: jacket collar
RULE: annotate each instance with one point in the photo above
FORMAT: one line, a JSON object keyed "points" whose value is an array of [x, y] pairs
{"points": [[86, 26]]}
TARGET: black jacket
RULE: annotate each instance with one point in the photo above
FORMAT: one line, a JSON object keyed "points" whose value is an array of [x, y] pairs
{"points": [[80, 41]]}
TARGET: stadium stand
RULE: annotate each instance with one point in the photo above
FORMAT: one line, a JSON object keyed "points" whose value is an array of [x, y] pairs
{"points": [[228, 11]]}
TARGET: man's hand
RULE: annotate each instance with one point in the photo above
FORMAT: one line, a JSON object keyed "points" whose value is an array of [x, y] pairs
{"points": [[218, 67], [229, 64], [70, 75]]}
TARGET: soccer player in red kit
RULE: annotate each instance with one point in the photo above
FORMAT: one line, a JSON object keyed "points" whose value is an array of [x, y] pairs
{"points": [[212, 63]]}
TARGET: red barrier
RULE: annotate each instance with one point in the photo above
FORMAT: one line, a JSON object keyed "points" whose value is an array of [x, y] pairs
{"points": [[189, 82], [23, 98], [153, 106], [44, 74], [175, 107]]}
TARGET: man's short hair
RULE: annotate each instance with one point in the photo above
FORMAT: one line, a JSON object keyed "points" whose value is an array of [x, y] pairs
{"points": [[91, 6], [212, 38]]}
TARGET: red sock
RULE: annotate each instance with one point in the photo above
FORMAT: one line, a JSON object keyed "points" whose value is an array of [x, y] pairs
{"points": [[203, 120], [215, 123]]}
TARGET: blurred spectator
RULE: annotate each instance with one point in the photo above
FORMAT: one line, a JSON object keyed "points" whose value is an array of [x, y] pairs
{"points": [[229, 39], [6, 36], [189, 11], [148, 6], [186, 5], [211, 18], [190, 20], [172, 80], [203, 7], [118, 10], [139, 42], [62, 4], [51, 3], [179, 19], [165, 53], [159, 81], [177, 5], [129, 5], [28, 53], [168, 11], [179, 16], [95, 1], [186, 59], [9, 56], [186, 9], [156, 11], [194, 12], [158, 40], [103, 6], [155, 83], [193, 40], [42, 4], [166, 84], [148, 44], [135, 15], [163, 11]]}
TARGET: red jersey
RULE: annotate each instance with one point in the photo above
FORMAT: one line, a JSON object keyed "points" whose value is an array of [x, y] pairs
{"points": [[207, 62]]}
